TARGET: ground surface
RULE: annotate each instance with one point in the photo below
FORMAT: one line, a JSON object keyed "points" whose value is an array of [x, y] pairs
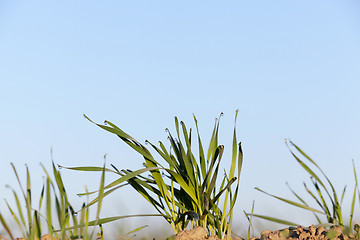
{"points": [[300, 233]]}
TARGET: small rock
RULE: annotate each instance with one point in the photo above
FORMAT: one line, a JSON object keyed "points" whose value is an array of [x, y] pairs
{"points": [[254, 238]]}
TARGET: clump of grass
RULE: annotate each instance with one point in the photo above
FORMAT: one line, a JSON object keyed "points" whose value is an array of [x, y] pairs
{"points": [[31, 221], [323, 193], [183, 189]]}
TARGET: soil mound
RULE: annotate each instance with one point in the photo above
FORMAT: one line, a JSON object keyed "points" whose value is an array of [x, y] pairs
{"points": [[197, 233], [300, 233]]}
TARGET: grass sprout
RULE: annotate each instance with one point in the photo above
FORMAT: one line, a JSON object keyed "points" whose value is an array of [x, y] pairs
{"points": [[323, 193], [31, 221]]}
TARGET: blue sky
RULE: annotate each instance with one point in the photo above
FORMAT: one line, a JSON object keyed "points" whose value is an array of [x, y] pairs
{"points": [[290, 67]]}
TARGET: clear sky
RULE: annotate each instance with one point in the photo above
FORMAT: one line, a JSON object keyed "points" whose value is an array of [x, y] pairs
{"points": [[292, 68]]}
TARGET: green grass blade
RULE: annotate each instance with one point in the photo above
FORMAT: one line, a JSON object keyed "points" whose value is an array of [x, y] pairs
{"points": [[136, 229], [311, 173], [18, 179], [188, 189], [312, 161], [111, 219], [234, 150], [224, 189], [125, 137], [95, 200], [358, 189], [74, 218], [291, 202], [212, 184], [185, 134], [213, 142], [296, 195], [48, 207], [41, 196], [321, 202], [124, 178], [234, 198], [5, 225], [240, 159], [250, 220], [177, 127], [276, 220], [138, 185], [184, 161], [337, 215], [58, 210], [18, 205], [82, 220], [164, 154], [37, 225], [101, 193], [130, 175], [28, 200], [201, 151], [205, 185], [317, 201], [353, 198], [342, 195], [88, 169], [21, 227]]}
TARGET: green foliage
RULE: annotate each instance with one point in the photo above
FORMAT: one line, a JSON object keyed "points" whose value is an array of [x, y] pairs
{"points": [[324, 194], [251, 227], [31, 222], [183, 189]]}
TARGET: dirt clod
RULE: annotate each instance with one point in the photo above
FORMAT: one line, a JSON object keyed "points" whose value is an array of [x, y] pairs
{"points": [[198, 233]]}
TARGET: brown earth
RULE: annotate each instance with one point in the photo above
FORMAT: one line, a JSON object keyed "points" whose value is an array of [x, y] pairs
{"points": [[311, 233], [198, 233], [299, 233], [44, 237]]}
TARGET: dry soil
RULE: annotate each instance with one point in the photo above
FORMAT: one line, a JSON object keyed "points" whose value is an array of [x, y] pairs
{"points": [[299, 233]]}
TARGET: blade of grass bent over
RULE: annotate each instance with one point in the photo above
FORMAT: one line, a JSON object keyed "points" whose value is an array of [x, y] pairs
{"points": [[277, 220], [292, 202], [111, 219]]}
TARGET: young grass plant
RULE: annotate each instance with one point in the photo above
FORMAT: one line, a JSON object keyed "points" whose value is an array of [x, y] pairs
{"points": [[183, 189], [324, 194], [30, 222]]}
